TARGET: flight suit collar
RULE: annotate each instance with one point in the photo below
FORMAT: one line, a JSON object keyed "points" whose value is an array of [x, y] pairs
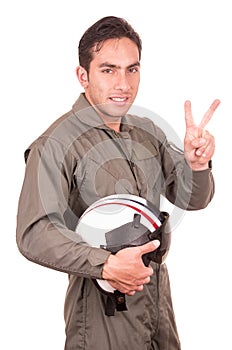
{"points": [[85, 112]]}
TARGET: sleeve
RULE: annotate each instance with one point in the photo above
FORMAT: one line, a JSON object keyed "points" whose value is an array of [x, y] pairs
{"points": [[42, 235], [185, 188]]}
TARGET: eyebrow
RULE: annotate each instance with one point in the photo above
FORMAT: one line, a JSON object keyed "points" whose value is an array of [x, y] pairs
{"points": [[110, 65]]}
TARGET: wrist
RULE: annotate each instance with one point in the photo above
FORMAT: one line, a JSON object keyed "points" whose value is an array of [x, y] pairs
{"points": [[201, 167], [106, 267]]}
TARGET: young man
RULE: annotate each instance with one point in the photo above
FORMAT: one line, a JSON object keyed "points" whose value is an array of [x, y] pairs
{"points": [[96, 150]]}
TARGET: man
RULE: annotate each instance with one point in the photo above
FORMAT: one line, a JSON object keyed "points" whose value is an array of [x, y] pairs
{"points": [[96, 150]]}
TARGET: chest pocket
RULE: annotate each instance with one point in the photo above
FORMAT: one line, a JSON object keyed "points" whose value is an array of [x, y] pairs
{"points": [[96, 179], [144, 150], [146, 157]]}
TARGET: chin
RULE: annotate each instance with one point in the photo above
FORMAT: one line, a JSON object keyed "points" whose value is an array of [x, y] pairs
{"points": [[117, 111]]}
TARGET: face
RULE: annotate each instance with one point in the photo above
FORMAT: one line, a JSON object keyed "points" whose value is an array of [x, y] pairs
{"points": [[112, 83]]}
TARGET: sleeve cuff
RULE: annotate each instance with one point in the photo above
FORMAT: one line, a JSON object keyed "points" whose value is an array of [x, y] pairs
{"points": [[98, 256]]}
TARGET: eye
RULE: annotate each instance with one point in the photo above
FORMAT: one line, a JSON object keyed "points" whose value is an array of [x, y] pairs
{"points": [[133, 69], [107, 71]]}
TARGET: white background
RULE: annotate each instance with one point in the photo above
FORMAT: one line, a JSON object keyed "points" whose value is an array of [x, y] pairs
{"points": [[186, 55]]}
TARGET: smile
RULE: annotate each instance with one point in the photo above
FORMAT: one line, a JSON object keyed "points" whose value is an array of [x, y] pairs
{"points": [[119, 99]]}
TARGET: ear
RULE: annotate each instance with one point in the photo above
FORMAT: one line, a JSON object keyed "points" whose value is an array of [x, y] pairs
{"points": [[82, 76]]}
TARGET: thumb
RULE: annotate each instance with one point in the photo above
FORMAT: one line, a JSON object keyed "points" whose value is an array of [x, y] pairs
{"points": [[149, 247]]}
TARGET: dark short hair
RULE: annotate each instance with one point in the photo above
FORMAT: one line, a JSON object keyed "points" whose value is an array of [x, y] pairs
{"points": [[109, 27]]}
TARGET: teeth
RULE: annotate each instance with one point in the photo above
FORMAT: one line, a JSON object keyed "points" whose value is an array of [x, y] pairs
{"points": [[118, 99]]}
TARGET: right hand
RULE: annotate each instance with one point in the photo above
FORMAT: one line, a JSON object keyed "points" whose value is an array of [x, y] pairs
{"points": [[126, 272]]}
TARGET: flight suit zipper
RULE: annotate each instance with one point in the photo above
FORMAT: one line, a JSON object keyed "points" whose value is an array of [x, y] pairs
{"points": [[118, 141]]}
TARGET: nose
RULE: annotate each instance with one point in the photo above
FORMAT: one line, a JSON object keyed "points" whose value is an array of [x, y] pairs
{"points": [[122, 81]]}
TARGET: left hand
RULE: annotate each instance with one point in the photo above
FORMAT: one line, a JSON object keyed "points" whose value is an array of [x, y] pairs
{"points": [[199, 144]]}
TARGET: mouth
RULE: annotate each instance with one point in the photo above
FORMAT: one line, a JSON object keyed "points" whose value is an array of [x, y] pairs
{"points": [[119, 100]]}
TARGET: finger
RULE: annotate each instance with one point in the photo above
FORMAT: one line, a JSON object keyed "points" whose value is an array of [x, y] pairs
{"points": [[188, 115], [139, 288], [207, 149], [198, 142], [200, 152], [125, 288], [206, 152], [145, 280], [149, 247], [131, 293], [208, 115]]}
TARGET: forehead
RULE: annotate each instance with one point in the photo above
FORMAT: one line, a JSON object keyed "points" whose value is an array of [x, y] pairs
{"points": [[116, 50]]}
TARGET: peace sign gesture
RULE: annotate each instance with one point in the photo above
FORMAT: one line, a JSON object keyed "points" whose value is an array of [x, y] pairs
{"points": [[199, 144]]}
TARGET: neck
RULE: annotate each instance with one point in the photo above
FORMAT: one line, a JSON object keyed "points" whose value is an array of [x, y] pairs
{"points": [[113, 123]]}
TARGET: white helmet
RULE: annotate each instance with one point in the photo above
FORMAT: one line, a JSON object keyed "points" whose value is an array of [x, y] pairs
{"points": [[121, 221]]}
